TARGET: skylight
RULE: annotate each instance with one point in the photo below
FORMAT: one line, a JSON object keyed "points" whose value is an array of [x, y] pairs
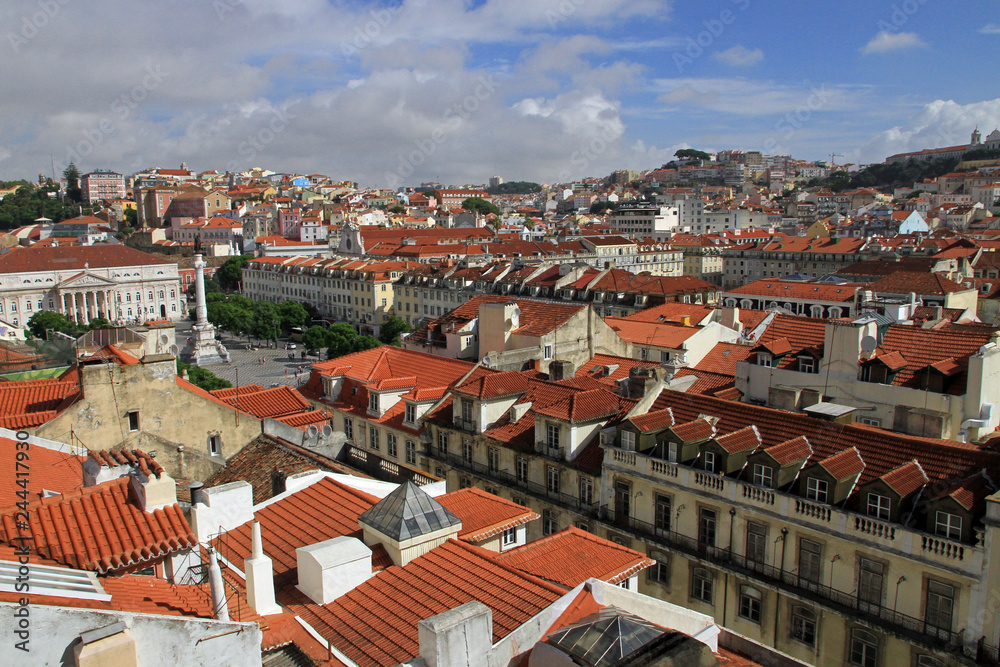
{"points": [[48, 580]]}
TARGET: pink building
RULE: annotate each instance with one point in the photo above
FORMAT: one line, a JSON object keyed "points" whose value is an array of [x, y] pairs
{"points": [[102, 185]]}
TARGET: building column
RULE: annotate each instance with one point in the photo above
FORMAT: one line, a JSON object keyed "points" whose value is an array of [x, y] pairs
{"points": [[74, 312]]}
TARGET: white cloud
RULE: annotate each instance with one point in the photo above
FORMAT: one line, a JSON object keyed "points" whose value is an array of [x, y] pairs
{"points": [[938, 124], [756, 97], [990, 29], [885, 42], [739, 56]]}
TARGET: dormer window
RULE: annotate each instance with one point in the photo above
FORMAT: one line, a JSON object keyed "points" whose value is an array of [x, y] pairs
{"points": [[466, 411], [879, 506], [552, 435], [411, 413], [763, 475], [708, 461], [807, 364], [628, 441], [765, 359], [372, 401], [817, 489], [948, 525]]}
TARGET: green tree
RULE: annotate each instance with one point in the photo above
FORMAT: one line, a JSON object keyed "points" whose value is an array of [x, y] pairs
{"points": [[397, 209], [340, 338], [515, 188], [316, 338], [131, 217], [480, 205], [292, 314], [362, 343], [44, 321], [201, 377], [72, 176], [599, 207], [99, 323], [264, 322], [691, 154], [391, 330], [230, 274]]}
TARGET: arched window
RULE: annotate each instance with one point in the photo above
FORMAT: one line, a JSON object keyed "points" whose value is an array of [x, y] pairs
{"points": [[750, 604], [864, 648], [803, 627]]}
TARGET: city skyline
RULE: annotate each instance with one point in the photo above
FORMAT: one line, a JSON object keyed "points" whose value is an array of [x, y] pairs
{"points": [[459, 91]]}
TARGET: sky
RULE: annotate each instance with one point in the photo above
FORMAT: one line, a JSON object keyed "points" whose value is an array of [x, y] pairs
{"points": [[455, 91]]}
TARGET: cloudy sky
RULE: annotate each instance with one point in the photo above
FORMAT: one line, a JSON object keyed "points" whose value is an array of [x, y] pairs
{"points": [[405, 91]]}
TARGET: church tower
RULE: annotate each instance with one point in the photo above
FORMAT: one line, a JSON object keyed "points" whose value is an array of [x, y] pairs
{"points": [[977, 138]]}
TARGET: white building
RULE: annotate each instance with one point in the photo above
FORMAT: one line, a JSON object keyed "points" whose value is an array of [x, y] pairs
{"points": [[646, 221], [84, 282]]}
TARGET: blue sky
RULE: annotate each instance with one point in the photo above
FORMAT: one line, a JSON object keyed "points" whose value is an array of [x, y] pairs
{"points": [[454, 91]]}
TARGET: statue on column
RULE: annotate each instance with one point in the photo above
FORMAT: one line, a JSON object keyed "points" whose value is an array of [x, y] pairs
{"points": [[202, 348]]}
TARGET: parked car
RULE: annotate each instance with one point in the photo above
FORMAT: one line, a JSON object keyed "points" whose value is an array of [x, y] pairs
{"points": [[289, 346]]}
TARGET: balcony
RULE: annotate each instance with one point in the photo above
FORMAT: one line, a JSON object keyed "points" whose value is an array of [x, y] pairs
{"points": [[855, 527], [467, 425], [847, 604]]}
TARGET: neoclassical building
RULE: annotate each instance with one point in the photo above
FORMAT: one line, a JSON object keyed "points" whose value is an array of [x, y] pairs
{"points": [[84, 282]]}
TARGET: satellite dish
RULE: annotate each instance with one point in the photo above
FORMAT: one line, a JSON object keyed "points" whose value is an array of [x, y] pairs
{"points": [[312, 431], [327, 431], [868, 344]]}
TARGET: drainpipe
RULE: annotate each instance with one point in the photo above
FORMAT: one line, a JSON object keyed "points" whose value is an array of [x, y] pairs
{"points": [[220, 605], [777, 606]]}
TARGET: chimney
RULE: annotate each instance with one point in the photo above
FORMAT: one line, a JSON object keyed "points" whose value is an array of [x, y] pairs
{"points": [[333, 568], [459, 637], [640, 380], [560, 369], [220, 606], [686, 320], [221, 508], [260, 577]]}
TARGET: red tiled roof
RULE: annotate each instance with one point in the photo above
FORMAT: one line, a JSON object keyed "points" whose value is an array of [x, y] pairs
{"points": [[304, 420], [484, 514], [583, 406], [787, 289], [135, 458], [904, 282], [790, 451], [672, 312], [653, 421], [30, 403], [909, 349], [571, 556], [745, 439], [274, 402], [621, 367], [971, 491], [100, 529], [905, 479], [100, 256], [695, 430], [442, 579], [297, 520], [652, 333], [537, 318], [844, 464], [389, 384], [494, 385], [51, 470], [722, 358]]}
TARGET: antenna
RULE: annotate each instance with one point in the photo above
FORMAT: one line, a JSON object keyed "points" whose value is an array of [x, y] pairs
{"points": [[868, 344]]}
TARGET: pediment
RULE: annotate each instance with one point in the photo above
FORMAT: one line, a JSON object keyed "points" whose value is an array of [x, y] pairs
{"points": [[85, 279]]}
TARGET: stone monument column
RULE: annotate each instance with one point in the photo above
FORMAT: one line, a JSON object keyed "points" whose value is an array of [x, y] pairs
{"points": [[200, 309], [203, 349]]}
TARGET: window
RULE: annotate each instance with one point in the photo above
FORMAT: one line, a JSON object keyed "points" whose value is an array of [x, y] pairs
{"points": [[411, 452], [871, 577], [372, 401], [660, 571], [467, 411], [763, 475], [707, 518], [443, 444], [929, 661], [411, 413], [552, 479], [816, 489], [133, 420], [493, 459], [661, 512], [390, 445], [702, 584], [672, 452], [467, 450], [708, 459], [549, 523], [464, 483], [948, 525], [628, 441], [864, 648], [878, 506], [373, 440], [521, 469], [586, 491], [803, 625], [764, 359], [547, 351], [870, 421], [552, 435], [940, 605], [810, 560], [509, 537], [756, 542], [214, 445], [349, 428], [750, 604], [807, 365]]}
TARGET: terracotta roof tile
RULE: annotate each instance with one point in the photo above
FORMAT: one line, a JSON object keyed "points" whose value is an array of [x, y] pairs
{"points": [[571, 556], [100, 529], [442, 579], [906, 479], [790, 451], [274, 402], [654, 421], [494, 385], [583, 406], [696, 430], [484, 515], [722, 358], [30, 403], [972, 491], [100, 256], [51, 470], [904, 282], [844, 464], [745, 439]]}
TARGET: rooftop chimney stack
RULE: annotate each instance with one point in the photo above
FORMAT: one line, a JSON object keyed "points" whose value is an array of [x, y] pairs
{"points": [[459, 637], [333, 568], [260, 577], [220, 606]]}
